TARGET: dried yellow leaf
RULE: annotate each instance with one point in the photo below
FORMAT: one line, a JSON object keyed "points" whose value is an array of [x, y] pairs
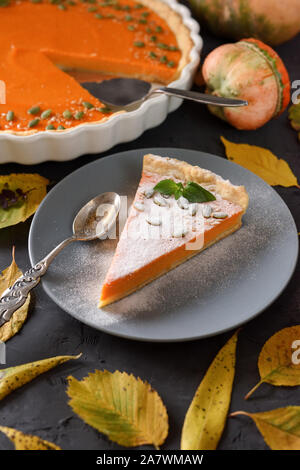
{"points": [[20, 196], [278, 361], [205, 420], [14, 377], [121, 406], [27, 441], [7, 278], [280, 428], [275, 171]]}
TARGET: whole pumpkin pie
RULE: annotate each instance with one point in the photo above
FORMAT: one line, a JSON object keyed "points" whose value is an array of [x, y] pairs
{"points": [[178, 211], [46, 43]]}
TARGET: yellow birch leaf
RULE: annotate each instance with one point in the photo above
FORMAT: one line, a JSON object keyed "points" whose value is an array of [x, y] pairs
{"points": [[279, 359], [14, 377], [280, 428], [121, 406], [27, 441], [20, 196], [7, 278], [275, 171], [205, 420]]}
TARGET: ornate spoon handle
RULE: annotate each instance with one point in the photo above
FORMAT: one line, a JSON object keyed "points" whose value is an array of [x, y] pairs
{"points": [[15, 296]]}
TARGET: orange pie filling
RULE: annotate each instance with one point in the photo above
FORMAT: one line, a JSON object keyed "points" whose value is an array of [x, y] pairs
{"points": [[147, 251], [41, 40], [128, 284]]}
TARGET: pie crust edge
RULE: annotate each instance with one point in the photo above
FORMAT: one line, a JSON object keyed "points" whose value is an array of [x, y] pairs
{"points": [[181, 170]]}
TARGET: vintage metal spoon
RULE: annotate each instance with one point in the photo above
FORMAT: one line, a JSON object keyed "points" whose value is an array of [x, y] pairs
{"points": [[128, 93], [94, 220]]}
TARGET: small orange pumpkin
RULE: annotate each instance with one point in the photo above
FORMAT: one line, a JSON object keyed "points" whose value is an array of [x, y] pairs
{"points": [[249, 70], [272, 21]]}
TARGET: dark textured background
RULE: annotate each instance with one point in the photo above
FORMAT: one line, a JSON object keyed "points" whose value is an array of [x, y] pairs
{"points": [[175, 370]]}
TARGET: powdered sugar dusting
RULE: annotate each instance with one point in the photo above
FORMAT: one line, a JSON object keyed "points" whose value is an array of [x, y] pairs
{"points": [[77, 274], [161, 227]]}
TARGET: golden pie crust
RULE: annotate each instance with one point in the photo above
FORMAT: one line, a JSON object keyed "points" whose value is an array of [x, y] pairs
{"points": [[173, 168]]}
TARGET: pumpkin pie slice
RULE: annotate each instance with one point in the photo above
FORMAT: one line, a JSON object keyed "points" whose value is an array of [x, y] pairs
{"points": [[178, 211]]}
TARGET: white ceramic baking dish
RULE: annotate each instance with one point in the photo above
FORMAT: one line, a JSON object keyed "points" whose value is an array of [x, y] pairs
{"points": [[97, 138]]}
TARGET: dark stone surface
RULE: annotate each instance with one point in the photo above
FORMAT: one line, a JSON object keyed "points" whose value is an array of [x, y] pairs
{"points": [[175, 370]]}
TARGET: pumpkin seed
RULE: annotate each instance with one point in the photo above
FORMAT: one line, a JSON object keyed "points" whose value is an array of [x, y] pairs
{"points": [[148, 193], [67, 114], [34, 110], [153, 220], [50, 127], [206, 211], [79, 115], [160, 201], [10, 116], [87, 105], [139, 206], [60, 128], [193, 209], [179, 232], [220, 215], [152, 55], [170, 64], [161, 45], [34, 122], [45, 114], [183, 203], [139, 44], [104, 110]]}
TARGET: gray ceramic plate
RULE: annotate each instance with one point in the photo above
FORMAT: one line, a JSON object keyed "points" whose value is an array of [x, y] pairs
{"points": [[219, 289]]}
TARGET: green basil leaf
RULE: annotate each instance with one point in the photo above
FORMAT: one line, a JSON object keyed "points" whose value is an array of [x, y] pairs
{"points": [[193, 192], [168, 187], [179, 191]]}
